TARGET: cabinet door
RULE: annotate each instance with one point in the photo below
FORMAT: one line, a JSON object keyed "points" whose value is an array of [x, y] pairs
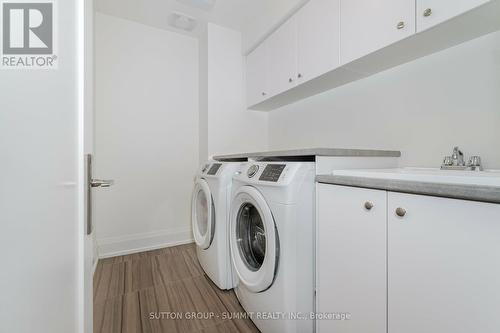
{"points": [[256, 75], [432, 12], [369, 25], [318, 29], [351, 259], [282, 48], [444, 265]]}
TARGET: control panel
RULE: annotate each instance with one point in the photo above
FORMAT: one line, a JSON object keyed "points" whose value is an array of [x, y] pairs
{"points": [[214, 168], [272, 172]]}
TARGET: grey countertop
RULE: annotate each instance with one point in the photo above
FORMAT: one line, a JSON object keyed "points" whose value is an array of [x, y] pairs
{"points": [[309, 152], [489, 194]]}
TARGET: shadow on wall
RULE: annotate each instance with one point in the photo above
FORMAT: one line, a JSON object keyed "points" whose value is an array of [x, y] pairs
{"points": [[422, 108]]}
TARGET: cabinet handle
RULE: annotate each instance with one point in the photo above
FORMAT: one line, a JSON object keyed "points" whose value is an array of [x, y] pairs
{"points": [[290, 80], [427, 12], [368, 205], [400, 25], [401, 212]]}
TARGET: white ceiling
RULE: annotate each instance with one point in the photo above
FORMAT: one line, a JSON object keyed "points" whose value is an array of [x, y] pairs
{"points": [[254, 18]]}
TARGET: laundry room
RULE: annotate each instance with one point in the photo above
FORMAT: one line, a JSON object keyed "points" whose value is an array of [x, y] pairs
{"points": [[250, 166]]}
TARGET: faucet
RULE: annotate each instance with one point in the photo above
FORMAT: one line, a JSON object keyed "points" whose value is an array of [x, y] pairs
{"points": [[457, 157], [457, 162]]}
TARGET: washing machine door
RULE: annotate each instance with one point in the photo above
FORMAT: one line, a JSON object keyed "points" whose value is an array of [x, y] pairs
{"points": [[202, 214], [254, 240]]}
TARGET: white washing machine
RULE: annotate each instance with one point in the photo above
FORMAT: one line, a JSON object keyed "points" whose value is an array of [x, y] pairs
{"points": [[210, 220], [272, 244]]}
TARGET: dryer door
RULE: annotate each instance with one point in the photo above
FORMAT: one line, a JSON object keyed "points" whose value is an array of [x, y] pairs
{"points": [[202, 214], [254, 240]]}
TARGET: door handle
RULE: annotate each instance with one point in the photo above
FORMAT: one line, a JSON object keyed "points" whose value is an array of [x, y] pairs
{"points": [[101, 183], [91, 183]]}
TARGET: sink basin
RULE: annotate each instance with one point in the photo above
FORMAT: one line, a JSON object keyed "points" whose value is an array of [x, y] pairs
{"points": [[428, 175]]}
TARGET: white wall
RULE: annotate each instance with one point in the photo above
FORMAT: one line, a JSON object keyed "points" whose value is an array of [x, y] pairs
{"points": [[146, 134], [39, 163], [423, 108], [231, 128], [203, 93]]}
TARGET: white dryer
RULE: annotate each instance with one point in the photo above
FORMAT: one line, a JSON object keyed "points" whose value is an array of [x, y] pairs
{"points": [[210, 220], [272, 244]]}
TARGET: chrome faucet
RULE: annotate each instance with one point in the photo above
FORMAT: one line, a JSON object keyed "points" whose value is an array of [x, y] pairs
{"points": [[457, 162], [457, 157]]}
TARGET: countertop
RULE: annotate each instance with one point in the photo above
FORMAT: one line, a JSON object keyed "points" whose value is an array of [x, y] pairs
{"points": [[309, 152], [481, 193]]}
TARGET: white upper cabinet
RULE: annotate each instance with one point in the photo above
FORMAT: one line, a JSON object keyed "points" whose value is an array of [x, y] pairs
{"points": [[282, 57], [432, 12], [329, 43], [318, 29], [256, 75], [369, 25]]}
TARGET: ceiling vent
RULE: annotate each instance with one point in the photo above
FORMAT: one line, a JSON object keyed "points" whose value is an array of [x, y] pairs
{"points": [[202, 4], [182, 21]]}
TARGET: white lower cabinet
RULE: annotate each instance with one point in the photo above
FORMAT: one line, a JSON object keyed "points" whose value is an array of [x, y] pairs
{"points": [[351, 259], [409, 264], [444, 265]]}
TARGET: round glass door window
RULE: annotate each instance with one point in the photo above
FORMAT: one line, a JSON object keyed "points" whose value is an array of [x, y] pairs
{"points": [[202, 212], [251, 236]]}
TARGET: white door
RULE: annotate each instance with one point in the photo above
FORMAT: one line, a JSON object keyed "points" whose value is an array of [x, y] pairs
{"points": [[43, 241], [253, 239], [282, 58], [318, 45], [256, 75], [351, 259], [202, 214], [432, 12], [89, 249], [369, 25], [444, 265]]}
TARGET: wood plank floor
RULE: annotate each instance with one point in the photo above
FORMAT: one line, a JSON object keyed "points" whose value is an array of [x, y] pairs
{"points": [[161, 291]]}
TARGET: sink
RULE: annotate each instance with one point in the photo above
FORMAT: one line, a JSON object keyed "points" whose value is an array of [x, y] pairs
{"points": [[428, 175]]}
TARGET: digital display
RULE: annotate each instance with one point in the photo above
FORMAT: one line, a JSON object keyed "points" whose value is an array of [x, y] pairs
{"points": [[272, 172], [214, 168]]}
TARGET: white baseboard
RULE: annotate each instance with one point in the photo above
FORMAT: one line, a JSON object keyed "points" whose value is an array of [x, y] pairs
{"points": [[122, 245]]}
